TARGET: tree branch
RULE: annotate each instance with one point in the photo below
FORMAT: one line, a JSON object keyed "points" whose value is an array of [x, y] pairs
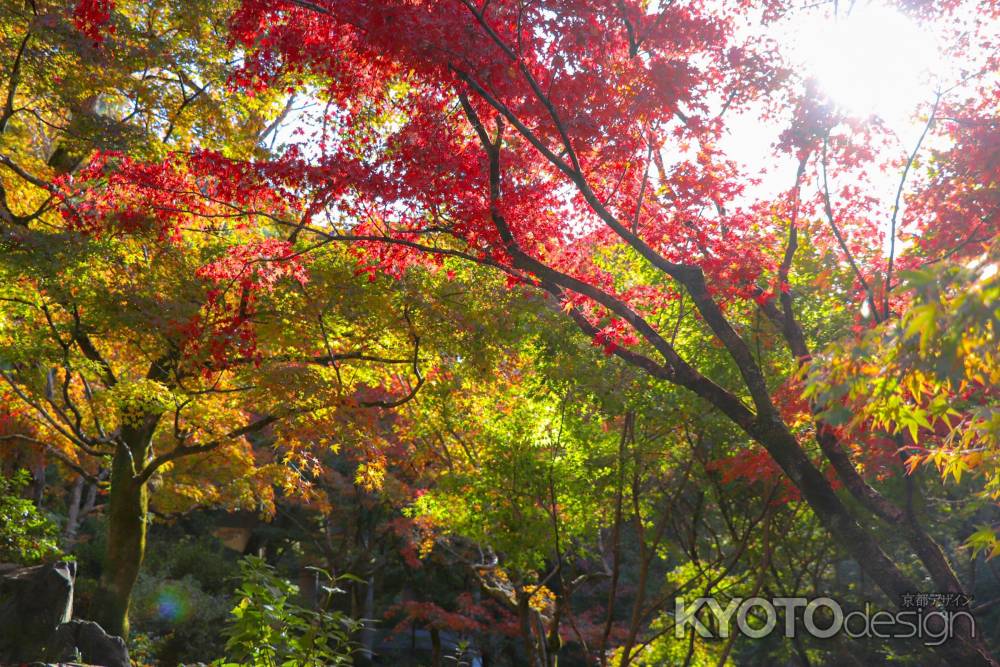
{"points": [[187, 450]]}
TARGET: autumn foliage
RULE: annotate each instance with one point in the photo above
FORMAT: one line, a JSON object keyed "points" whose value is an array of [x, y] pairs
{"points": [[494, 285]]}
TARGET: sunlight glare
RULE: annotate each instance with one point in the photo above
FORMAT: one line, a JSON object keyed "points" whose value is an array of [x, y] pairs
{"points": [[874, 61]]}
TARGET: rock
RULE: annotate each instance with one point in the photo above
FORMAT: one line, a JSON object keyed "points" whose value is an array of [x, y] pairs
{"points": [[36, 605], [86, 641], [34, 601]]}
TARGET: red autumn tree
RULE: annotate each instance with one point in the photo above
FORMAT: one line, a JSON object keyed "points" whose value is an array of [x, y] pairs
{"points": [[576, 145]]}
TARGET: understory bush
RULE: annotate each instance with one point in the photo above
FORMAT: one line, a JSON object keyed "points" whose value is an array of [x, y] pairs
{"points": [[268, 629]]}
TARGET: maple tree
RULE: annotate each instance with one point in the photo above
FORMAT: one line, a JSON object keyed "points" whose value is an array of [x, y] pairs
{"points": [[77, 312], [563, 142], [148, 333], [176, 279]]}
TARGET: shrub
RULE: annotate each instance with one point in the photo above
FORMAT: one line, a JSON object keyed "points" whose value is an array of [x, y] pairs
{"points": [[268, 629], [26, 535]]}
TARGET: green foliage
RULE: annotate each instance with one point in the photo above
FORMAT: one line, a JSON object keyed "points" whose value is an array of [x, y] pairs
{"points": [[530, 450], [26, 535], [268, 628], [928, 378]]}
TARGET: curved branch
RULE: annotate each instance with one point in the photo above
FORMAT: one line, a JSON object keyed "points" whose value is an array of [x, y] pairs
{"points": [[828, 208], [895, 206], [187, 450]]}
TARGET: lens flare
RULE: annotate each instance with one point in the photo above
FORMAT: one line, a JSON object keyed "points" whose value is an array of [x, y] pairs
{"points": [[173, 604]]}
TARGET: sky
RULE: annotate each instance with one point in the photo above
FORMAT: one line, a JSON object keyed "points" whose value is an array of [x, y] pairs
{"points": [[874, 61]]}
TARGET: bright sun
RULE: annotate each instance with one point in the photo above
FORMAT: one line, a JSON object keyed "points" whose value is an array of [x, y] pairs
{"points": [[874, 61]]}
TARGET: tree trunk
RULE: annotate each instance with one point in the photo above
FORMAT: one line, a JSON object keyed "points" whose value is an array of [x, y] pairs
{"points": [[965, 648], [38, 484], [365, 607], [368, 630], [436, 653], [73, 511], [527, 632], [127, 513]]}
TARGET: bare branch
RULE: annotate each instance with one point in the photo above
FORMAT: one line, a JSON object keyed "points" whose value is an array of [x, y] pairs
{"points": [[828, 208], [895, 206]]}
